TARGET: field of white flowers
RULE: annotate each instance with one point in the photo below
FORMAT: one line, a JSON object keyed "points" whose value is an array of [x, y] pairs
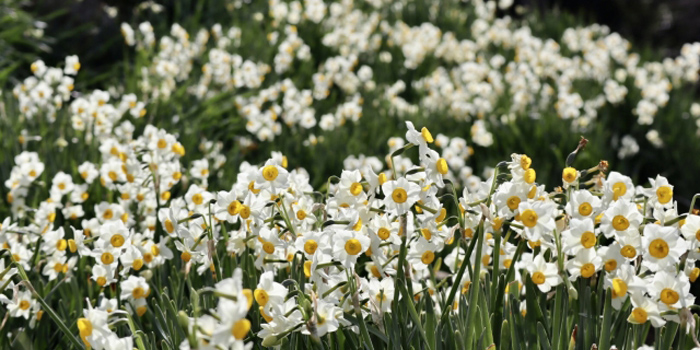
{"points": [[364, 174]]}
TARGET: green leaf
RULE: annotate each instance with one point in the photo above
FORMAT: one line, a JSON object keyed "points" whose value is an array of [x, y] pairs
{"points": [[542, 338], [604, 340]]}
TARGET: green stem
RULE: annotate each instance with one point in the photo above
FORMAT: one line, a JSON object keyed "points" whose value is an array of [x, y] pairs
{"points": [[76, 342]]}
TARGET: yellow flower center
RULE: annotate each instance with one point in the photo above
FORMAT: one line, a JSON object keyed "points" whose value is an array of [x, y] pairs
{"points": [[310, 246], [669, 296], [268, 247], [137, 264], [61, 245], [426, 233], [665, 194], [261, 297], [307, 268], [186, 256], [507, 262], [240, 329], [427, 257], [162, 143], [399, 195], [108, 214], [628, 251], [101, 281], [587, 270], [24, 304], [234, 207], [525, 162], [138, 293], [619, 190], [619, 288], [117, 241], [658, 248], [85, 329], [538, 277], [245, 212], [112, 175], [141, 310], [585, 209], [620, 223], [441, 217], [383, 233], [513, 202], [381, 178], [72, 245], [529, 218], [301, 215], [427, 136], [353, 246], [358, 225], [588, 239], [639, 315], [694, 274], [569, 174], [197, 198], [169, 226], [251, 187], [355, 188], [530, 176], [441, 166], [270, 172], [610, 265], [107, 258]]}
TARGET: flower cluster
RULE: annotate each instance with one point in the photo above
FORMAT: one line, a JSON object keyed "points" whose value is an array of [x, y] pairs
{"points": [[351, 244], [500, 73]]}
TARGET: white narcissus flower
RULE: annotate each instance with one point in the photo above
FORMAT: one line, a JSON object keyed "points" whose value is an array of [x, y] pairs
{"points": [[623, 281], [621, 217], [662, 246], [691, 232], [233, 327], [94, 328], [381, 294], [20, 305], [419, 138], [580, 235], [618, 186], [670, 290], [134, 288], [643, 310], [227, 206], [268, 292], [347, 247], [72, 65], [272, 177], [585, 264], [422, 253], [583, 204], [537, 219], [508, 197], [660, 193], [543, 274], [328, 318], [400, 195], [435, 168], [313, 241]]}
